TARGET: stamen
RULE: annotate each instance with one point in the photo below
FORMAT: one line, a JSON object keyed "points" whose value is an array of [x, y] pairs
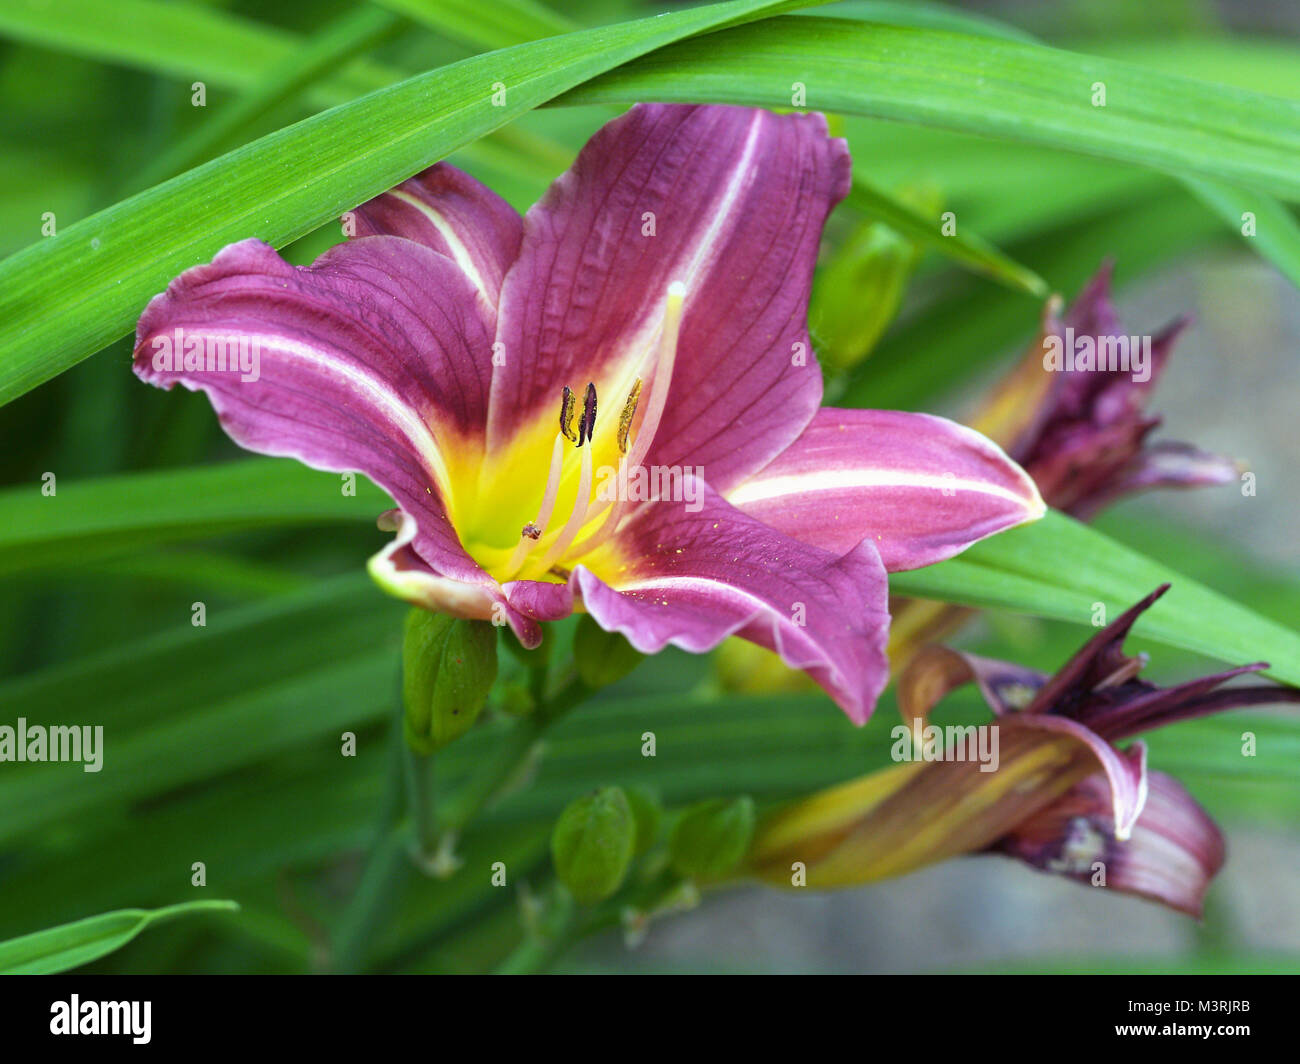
{"points": [[587, 424], [581, 504], [527, 537], [625, 418], [1125, 672], [567, 404], [664, 357]]}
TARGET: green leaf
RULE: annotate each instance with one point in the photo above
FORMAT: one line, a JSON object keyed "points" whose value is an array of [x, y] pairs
{"points": [[94, 519], [965, 248], [1060, 568], [296, 671], [69, 295], [1276, 236], [997, 88], [357, 30], [185, 41], [495, 25], [59, 948]]}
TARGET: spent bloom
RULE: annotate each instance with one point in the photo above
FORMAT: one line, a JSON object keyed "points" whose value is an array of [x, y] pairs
{"points": [[1064, 797], [609, 404], [1073, 412]]}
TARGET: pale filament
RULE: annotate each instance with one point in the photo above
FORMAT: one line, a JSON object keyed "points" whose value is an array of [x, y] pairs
{"points": [[577, 518], [544, 512], [663, 361]]}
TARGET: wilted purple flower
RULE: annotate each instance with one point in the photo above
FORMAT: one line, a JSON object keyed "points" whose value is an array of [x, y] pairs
{"points": [[1057, 793], [1080, 427], [609, 404]]}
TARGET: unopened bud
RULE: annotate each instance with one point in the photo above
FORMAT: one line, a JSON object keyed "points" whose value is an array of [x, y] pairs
{"points": [[648, 815], [858, 291], [592, 844], [711, 838], [448, 667]]}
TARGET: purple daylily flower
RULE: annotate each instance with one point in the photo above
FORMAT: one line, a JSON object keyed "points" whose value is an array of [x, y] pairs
{"points": [[518, 384]]}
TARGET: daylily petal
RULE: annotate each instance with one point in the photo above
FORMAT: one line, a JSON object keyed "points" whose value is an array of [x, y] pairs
{"points": [[937, 670], [728, 202], [920, 488], [693, 579], [1125, 770], [1009, 691], [1162, 465], [896, 820], [1173, 854], [450, 212], [368, 361]]}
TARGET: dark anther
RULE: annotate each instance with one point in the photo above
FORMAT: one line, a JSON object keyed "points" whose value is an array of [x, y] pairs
{"points": [[587, 423], [566, 414], [625, 418], [532, 531]]}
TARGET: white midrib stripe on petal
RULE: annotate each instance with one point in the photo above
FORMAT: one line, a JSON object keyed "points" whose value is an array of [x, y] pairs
{"points": [[459, 252], [640, 343], [694, 583], [760, 490], [722, 211], [379, 394]]}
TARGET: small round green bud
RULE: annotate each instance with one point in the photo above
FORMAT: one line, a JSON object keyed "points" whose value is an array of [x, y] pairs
{"points": [[711, 838], [648, 815], [602, 658], [448, 667], [592, 844]]}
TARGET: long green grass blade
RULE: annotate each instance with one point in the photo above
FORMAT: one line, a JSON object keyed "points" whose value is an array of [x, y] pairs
{"points": [[72, 945], [997, 88], [1060, 568]]}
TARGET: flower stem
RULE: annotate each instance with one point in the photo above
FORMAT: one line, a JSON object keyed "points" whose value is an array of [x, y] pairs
{"points": [[469, 802], [421, 797], [431, 831]]}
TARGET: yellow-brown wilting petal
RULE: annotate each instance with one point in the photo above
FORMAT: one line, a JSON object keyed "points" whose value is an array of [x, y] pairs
{"points": [[902, 818]]}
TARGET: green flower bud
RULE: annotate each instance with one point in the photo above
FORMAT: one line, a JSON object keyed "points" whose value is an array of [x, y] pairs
{"points": [[710, 838], [648, 815], [602, 658], [448, 667], [592, 844], [858, 291]]}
